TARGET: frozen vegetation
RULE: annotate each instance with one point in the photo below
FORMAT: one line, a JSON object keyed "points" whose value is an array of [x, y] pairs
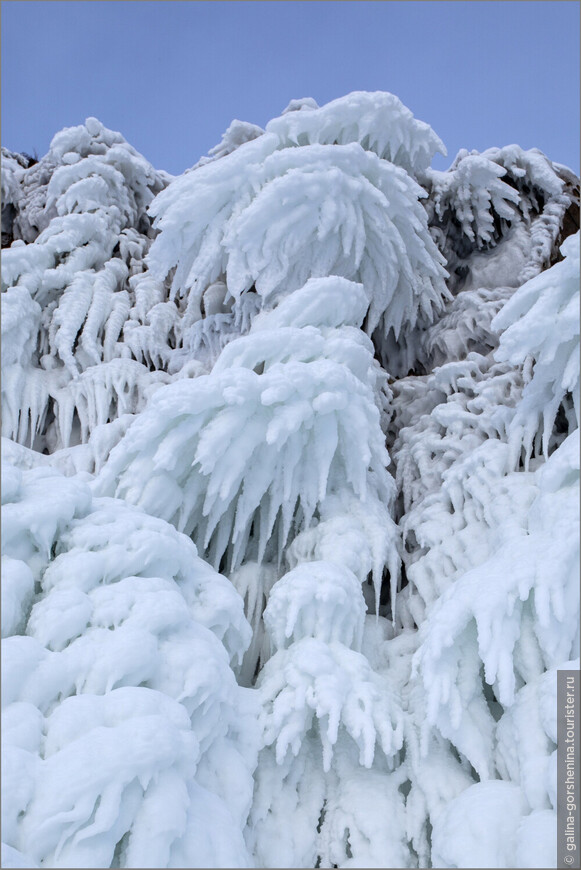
{"points": [[290, 494]]}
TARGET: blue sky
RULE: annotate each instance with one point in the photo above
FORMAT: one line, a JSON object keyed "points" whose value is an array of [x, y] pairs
{"points": [[172, 75]]}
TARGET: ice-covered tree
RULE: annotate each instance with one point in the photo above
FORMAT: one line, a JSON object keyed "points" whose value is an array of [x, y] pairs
{"points": [[350, 384]]}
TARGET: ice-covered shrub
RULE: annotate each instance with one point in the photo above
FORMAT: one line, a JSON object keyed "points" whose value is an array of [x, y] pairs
{"points": [[497, 216], [515, 583], [379, 122], [491, 558], [540, 323], [324, 191], [81, 230], [299, 213], [319, 693], [317, 599], [245, 457], [118, 699], [237, 134]]}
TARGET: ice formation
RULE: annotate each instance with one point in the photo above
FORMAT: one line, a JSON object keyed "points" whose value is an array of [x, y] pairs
{"points": [[290, 508]]}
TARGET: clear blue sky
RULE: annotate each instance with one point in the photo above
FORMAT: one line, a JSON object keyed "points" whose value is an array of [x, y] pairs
{"points": [[172, 75]]}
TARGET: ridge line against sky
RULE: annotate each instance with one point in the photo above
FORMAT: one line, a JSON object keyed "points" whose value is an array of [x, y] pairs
{"points": [[170, 76]]}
